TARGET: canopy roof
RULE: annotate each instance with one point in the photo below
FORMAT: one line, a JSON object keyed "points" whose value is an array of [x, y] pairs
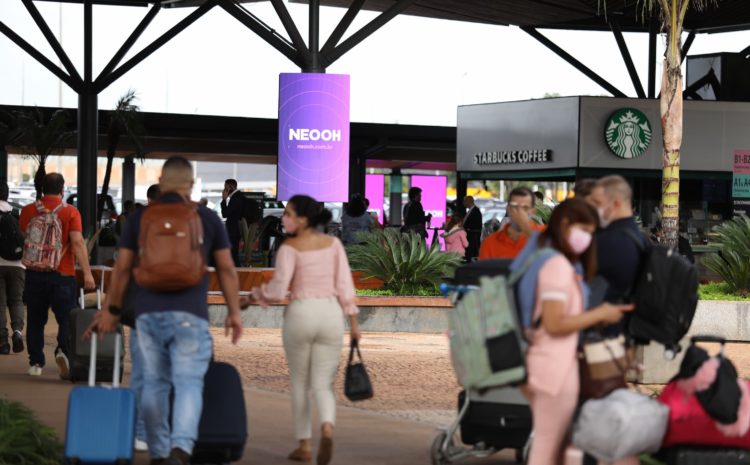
{"points": [[725, 15], [164, 3]]}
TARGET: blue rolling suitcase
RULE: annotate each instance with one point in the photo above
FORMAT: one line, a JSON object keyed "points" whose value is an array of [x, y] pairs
{"points": [[101, 419]]}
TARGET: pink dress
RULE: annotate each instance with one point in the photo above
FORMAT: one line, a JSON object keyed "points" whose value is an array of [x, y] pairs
{"points": [[552, 365], [456, 241], [311, 274]]}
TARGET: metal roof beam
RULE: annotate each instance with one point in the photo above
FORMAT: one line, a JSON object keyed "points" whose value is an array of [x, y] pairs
{"points": [[686, 45], [366, 31], [745, 52], [653, 32], [38, 56], [128, 44], [104, 81], [342, 26], [286, 19], [51, 39], [575, 63], [614, 24], [265, 32]]}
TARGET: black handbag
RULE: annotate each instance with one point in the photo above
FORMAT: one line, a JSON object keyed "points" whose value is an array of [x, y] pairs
{"points": [[357, 385]]}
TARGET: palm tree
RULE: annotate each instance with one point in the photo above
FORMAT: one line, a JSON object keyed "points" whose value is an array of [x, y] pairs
{"points": [[10, 133], [672, 14], [123, 121], [46, 136]]}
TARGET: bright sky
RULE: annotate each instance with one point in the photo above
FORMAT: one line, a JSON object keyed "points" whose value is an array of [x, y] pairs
{"points": [[412, 71]]}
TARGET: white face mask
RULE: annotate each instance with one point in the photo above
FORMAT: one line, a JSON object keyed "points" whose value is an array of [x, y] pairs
{"points": [[579, 240], [603, 220]]}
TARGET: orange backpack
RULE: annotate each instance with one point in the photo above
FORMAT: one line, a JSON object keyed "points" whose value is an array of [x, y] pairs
{"points": [[170, 247], [43, 249]]}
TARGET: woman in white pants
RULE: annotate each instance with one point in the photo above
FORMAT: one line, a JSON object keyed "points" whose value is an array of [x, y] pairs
{"points": [[322, 293]]}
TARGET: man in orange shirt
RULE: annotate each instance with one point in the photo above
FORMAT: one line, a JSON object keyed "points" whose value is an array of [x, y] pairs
{"points": [[50, 275], [511, 238]]}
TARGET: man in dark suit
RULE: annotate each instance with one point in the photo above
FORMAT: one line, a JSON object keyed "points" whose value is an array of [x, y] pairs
{"points": [[232, 208], [473, 227], [414, 216]]}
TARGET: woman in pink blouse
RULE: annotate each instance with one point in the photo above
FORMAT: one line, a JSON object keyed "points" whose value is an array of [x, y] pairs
{"points": [[322, 294], [553, 385], [455, 236]]}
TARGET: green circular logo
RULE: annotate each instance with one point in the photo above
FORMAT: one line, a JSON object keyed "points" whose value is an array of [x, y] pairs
{"points": [[628, 133]]}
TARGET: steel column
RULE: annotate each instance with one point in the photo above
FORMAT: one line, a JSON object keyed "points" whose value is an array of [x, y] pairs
{"points": [[357, 172], [3, 165], [87, 131], [615, 27], [128, 179], [461, 187], [395, 214], [652, 34], [575, 63], [314, 39]]}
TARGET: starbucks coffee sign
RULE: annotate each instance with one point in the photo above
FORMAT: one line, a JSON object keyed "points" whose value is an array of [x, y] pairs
{"points": [[628, 133]]}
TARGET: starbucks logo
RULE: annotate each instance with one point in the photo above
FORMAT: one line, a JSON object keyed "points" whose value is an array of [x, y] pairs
{"points": [[628, 133]]}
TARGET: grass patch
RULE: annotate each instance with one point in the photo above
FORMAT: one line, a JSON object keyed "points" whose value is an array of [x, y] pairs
{"points": [[25, 441], [719, 291], [424, 292]]}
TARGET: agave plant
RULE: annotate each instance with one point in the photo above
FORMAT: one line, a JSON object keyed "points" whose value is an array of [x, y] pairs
{"points": [[401, 261], [732, 262], [23, 440]]}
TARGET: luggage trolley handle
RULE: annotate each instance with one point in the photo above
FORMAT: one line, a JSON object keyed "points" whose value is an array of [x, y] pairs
{"points": [[92, 359], [710, 338]]}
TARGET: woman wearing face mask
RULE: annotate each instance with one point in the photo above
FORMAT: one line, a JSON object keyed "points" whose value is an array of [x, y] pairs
{"points": [[322, 294], [552, 387]]}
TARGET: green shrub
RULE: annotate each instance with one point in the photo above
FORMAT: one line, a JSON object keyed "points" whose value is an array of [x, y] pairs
{"points": [[401, 261], [732, 263], [719, 291], [419, 292], [25, 441]]}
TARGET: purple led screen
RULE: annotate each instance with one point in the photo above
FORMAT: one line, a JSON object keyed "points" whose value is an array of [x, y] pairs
{"points": [[313, 136], [375, 193], [433, 201]]}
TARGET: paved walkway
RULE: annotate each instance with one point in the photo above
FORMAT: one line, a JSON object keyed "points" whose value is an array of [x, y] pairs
{"points": [[362, 438]]}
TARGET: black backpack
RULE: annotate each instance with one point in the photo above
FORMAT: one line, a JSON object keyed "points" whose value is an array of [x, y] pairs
{"points": [[665, 295], [11, 237]]}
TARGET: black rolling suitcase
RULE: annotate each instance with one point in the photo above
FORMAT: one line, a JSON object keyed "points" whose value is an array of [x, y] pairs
{"points": [[469, 274], [223, 427], [79, 351], [707, 456], [499, 418]]}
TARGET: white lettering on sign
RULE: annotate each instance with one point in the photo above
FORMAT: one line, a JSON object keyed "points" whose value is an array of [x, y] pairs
{"points": [[328, 135], [513, 157]]}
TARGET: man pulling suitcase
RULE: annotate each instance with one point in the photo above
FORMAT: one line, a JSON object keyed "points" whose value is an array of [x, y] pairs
{"points": [[172, 239]]}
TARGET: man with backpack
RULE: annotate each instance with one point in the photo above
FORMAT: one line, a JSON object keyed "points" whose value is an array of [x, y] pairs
{"points": [[11, 275], [173, 239], [54, 241]]}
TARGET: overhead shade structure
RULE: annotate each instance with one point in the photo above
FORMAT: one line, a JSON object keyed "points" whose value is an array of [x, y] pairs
{"points": [[725, 15], [163, 3]]}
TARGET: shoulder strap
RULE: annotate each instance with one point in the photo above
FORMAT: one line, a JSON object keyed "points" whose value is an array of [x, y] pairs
{"points": [[516, 275], [640, 239]]}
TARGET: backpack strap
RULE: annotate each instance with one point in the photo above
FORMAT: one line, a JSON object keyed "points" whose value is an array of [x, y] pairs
{"points": [[639, 239], [516, 275]]}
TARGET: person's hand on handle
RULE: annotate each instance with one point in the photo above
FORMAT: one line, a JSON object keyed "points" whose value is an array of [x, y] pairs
{"points": [[612, 313], [88, 281], [92, 327], [106, 322], [233, 324]]}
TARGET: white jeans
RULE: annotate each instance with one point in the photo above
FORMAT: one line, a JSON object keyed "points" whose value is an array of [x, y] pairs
{"points": [[312, 334]]}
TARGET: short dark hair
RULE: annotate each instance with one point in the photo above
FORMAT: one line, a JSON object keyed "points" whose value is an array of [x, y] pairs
{"points": [[521, 191], [231, 183], [356, 206], [414, 192], [4, 191], [153, 192], [539, 195], [584, 187], [53, 184]]}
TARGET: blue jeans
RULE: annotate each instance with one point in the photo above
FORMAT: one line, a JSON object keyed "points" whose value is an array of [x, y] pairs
{"points": [[136, 384], [43, 290], [175, 348]]}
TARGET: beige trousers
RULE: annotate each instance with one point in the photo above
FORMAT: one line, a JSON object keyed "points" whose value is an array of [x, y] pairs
{"points": [[312, 334]]}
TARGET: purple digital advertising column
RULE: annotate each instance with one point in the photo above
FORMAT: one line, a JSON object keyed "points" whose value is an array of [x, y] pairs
{"points": [[433, 201], [375, 193], [313, 136]]}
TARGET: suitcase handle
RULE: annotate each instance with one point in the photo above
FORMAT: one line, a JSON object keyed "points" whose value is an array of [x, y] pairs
{"points": [[98, 298], [708, 338], [92, 360]]}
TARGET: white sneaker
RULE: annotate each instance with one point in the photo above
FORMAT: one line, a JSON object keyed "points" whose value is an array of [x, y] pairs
{"points": [[141, 446], [62, 364], [35, 370]]}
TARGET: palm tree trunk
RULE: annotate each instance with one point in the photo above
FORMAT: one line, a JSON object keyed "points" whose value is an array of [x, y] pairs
{"points": [[671, 121], [41, 172], [107, 174]]}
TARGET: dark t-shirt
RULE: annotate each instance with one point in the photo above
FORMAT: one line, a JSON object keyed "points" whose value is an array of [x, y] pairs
{"points": [[193, 300]]}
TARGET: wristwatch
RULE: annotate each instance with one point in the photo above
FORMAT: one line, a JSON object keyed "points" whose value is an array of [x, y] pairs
{"points": [[115, 310]]}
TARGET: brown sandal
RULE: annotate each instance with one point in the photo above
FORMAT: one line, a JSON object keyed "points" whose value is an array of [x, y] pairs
{"points": [[325, 451], [300, 455]]}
